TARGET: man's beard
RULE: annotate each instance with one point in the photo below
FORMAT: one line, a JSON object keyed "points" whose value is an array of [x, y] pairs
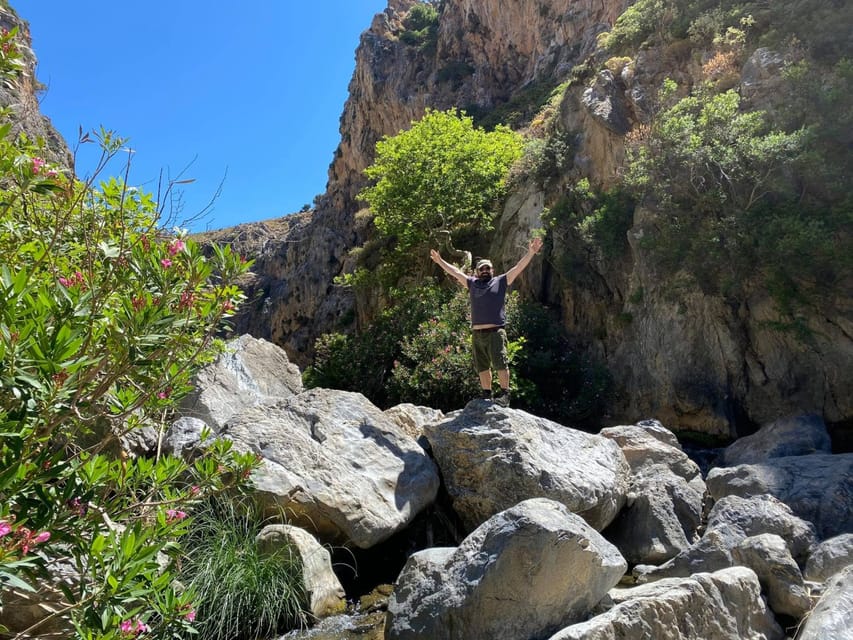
{"points": [[485, 277]]}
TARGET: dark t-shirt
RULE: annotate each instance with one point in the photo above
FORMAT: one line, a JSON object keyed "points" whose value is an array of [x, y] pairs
{"points": [[487, 300]]}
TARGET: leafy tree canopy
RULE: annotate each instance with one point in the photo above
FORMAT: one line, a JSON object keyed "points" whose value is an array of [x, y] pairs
{"points": [[441, 173]]}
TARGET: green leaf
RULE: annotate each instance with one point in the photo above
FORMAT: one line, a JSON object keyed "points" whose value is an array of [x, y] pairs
{"points": [[109, 250], [15, 582]]}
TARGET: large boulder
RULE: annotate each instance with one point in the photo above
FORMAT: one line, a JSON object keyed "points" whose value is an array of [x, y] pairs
{"points": [[524, 573], [334, 464], [832, 617], [730, 521], [793, 436], [723, 604], [818, 487], [780, 577], [492, 458], [664, 505], [829, 557], [247, 373]]}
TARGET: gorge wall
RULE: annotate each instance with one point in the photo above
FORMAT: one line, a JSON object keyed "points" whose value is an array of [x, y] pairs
{"points": [[698, 363]]}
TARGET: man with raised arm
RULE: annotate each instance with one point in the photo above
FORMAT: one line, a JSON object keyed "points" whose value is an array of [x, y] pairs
{"points": [[487, 294]]}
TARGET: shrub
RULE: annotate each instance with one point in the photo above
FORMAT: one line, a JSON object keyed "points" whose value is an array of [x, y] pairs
{"points": [[593, 219], [103, 318], [430, 361], [732, 202], [364, 361], [558, 378], [439, 174], [434, 366], [243, 592], [421, 27], [544, 158], [638, 23]]}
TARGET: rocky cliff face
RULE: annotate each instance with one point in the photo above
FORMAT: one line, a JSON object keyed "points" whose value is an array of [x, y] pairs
{"points": [[495, 48], [21, 95], [699, 363]]}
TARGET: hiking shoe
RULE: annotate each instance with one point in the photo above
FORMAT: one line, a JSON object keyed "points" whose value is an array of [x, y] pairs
{"points": [[502, 398], [485, 394]]}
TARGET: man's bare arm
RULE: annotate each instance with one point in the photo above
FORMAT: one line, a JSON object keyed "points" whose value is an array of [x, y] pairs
{"points": [[532, 250], [452, 270]]}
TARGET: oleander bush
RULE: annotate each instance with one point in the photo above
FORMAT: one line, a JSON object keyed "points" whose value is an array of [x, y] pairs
{"points": [[104, 316]]}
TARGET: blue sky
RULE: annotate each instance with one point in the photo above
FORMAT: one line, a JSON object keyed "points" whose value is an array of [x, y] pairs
{"points": [[251, 92]]}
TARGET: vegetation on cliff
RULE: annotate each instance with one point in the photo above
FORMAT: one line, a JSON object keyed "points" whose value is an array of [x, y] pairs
{"points": [[435, 183], [734, 178], [746, 197]]}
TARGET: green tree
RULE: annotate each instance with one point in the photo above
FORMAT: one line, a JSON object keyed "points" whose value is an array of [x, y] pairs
{"points": [[706, 155], [706, 169], [439, 175]]}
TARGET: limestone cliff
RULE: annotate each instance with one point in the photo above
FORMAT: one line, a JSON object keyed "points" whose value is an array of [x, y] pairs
{"points": [[21, 95], [699, 363], [499, 48]]}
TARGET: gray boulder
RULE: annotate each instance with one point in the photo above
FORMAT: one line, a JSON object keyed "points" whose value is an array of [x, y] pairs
{"points": [[755, 515], [664, 505], [334, 464], [249, 372], [723, 604], [794, 436], [832, 617], [525, 573], [829, 557], [183, 437], [730, 521], [492, 458], [780, 577], [818, 487], [605, 100], [322, 587]]}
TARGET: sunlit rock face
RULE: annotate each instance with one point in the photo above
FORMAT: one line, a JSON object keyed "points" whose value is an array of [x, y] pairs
{"points": [[485, 52], [21, 94], [695, 361]]}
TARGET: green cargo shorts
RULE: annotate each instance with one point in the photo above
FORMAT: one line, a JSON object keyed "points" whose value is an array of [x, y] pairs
{"points": [[489, 347]]}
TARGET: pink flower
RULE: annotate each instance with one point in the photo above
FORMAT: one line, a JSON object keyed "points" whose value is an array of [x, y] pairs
{"points": [[166, 263], [28, 539], [176, 246], [187, 299], [133, 627], [174, 514], [165, 393], [77, 506], [38, 163], [190, 615], [5, 528], [195, 489], [72, 281]]}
